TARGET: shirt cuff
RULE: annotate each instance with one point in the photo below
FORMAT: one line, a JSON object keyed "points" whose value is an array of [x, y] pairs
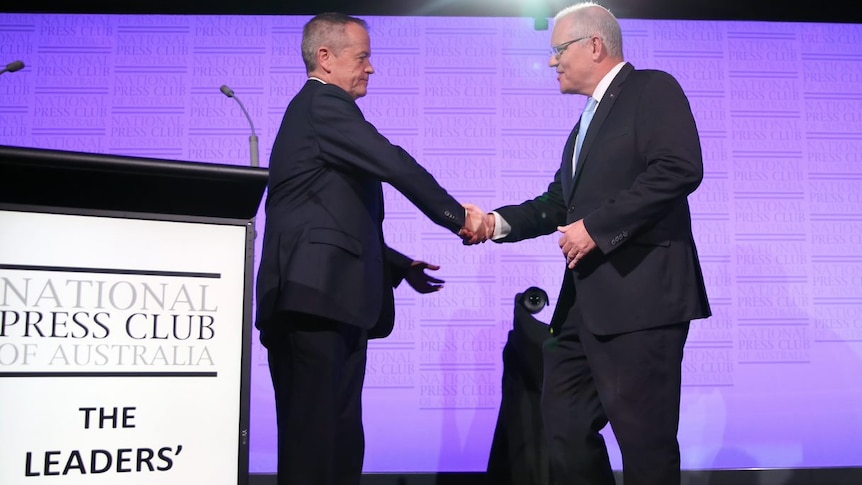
{"points": [[501, 227]]}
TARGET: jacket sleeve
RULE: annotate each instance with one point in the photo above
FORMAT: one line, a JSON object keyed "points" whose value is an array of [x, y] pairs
{"points": [[536, 217], [398, 265], [353, 144]]}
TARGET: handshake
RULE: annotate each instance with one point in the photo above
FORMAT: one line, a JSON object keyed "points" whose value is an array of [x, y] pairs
{"points": [[479, 226], [576, 243]]}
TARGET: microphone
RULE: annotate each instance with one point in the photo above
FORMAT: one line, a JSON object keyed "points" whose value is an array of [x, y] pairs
{"points": [[252, 140], [13, 66]]}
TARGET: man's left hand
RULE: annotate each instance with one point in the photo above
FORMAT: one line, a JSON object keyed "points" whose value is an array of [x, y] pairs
{"points": [[576, 242], [421, 281]]}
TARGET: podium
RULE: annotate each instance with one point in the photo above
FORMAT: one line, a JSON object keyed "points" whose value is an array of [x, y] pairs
{"points": [[125, 318]]}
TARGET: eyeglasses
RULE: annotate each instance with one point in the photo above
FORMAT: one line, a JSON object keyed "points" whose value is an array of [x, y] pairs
{"points": [[557, 50]]}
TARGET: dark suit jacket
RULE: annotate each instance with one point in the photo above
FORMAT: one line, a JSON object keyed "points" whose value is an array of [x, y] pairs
{"points": [[640, 160], [323, 247]]}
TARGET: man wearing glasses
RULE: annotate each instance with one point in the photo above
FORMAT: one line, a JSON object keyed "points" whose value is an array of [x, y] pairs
{"points": [[633, 280]]}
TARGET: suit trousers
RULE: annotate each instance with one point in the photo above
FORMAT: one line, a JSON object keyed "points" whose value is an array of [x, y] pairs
{"points": [[318, 368], [631, 380]]}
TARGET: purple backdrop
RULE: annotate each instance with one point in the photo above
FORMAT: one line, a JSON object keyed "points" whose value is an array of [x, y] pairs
{"points": [[771, 380]]}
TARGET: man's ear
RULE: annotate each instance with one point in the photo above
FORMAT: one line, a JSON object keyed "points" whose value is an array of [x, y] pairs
{"points": [[598, 50], [324, 58]]}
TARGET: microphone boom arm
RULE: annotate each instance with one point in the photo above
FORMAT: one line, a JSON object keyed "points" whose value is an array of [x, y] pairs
{"points": [[252, 140]]}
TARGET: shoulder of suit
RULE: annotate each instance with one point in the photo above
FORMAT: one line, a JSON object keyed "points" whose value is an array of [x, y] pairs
{"points": [[652, 78], [332, 91], [652, 74]]}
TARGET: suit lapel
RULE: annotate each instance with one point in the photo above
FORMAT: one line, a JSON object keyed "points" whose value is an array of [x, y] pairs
{"points": [[380, 200], [566, 165], [599, 118]]}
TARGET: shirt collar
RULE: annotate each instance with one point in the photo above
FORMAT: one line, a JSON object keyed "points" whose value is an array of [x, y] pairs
{"points": [[605, 83]]}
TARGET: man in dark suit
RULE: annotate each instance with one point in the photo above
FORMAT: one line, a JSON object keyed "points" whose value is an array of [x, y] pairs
{"points": [[326, 275], [633, 279]]}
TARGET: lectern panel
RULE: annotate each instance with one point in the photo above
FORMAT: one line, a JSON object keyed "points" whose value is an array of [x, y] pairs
{"points": [[122, 349]]}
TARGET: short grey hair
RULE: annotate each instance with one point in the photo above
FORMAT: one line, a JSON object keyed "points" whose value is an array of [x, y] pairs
{"points": [[590, 18], [326, 29]]}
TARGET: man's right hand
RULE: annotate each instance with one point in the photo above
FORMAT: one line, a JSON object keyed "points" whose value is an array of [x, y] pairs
{"points": [[479, 226]]}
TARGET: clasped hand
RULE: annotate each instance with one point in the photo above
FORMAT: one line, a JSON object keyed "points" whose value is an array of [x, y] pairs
{"points": [[479, 226]]}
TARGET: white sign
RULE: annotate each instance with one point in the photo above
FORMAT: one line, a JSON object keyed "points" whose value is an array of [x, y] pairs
{"points": [[120, 350]]}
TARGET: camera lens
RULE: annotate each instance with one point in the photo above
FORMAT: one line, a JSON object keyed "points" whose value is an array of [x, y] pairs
{"points": [[534, 299]]}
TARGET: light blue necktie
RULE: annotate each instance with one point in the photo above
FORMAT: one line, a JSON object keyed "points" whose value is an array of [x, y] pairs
{"points": [[586, 117]]}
